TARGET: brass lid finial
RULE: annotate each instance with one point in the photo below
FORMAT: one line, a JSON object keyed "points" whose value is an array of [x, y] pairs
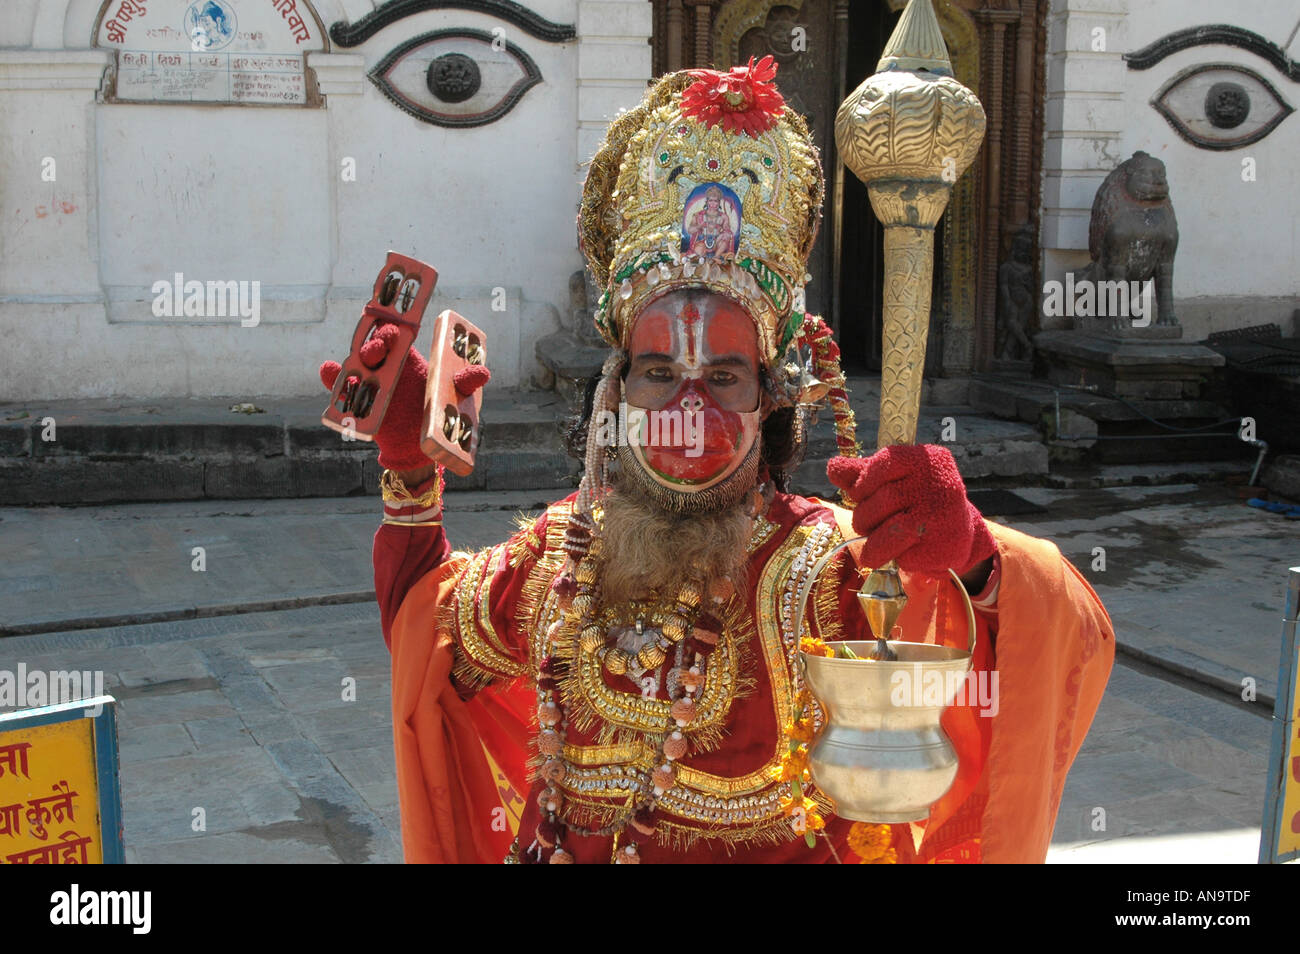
{"points": [[916, 43]]}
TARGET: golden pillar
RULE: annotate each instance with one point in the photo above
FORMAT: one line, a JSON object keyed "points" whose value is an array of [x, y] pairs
{"points": [[908, 132]]}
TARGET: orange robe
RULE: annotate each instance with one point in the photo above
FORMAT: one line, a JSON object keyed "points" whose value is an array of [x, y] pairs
{"points": [[464, 697]]}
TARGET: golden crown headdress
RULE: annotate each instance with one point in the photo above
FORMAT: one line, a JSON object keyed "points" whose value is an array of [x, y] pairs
{"points": [[713, 182]]}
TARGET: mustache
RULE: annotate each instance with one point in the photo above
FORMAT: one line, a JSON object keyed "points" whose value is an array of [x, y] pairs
{"points": [[631, 477]]}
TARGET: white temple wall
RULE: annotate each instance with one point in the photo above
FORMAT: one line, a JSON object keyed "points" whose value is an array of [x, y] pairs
{"points": [[305, 201], [1238, 261]]}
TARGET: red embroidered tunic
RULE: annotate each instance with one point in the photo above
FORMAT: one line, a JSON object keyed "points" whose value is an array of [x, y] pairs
{"points": [[465, 632]]}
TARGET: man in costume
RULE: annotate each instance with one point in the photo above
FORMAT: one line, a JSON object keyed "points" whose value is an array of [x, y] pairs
{"points": [[616, 681]]}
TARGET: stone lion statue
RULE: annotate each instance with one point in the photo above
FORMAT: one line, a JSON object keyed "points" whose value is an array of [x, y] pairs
{"points": [[1133, 234]]}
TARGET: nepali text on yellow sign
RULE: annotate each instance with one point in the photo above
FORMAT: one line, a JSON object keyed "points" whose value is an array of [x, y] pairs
{"points": [[49, 795]]}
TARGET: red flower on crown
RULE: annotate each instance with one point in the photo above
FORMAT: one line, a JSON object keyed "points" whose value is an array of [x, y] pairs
{"points": [[743, 100]]}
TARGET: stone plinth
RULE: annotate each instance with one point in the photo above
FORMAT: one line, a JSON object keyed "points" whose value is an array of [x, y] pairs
{"points": [[1127, 332], [572, 361], [1129, 364], [576, 353], [1282, 477]]}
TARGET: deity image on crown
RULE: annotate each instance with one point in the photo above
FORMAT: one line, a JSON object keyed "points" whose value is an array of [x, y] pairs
{"points": [[711, 222]]}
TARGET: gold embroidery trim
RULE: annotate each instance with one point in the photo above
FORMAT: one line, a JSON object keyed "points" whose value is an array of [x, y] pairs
{"points": [[775, 574], [468, 620], [777, 590], [593, 704], [826, 606], [468, 673], [748, 784], [395, 492], [483, 604], [525, 543], [535, 609], [733, 821], [763, 530], [608, 754], [392, 522], [640, 754]]}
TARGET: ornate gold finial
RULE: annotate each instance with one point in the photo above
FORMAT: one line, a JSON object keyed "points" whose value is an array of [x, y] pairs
{"points": [[909, 132], [916, 43]]}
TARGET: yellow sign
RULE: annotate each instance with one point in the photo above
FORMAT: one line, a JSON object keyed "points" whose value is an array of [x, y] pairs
{"points": [[1288, 839], [1279, 836], [49, 795]]}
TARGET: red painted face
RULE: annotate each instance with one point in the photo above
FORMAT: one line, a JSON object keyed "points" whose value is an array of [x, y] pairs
{"points": [[692, 389]]}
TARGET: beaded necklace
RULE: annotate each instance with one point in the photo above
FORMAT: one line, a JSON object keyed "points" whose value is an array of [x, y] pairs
{"points": [[689, 632]]}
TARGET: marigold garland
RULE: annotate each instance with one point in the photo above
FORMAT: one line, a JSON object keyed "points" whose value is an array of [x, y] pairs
{"points": [[872, 843], [794, 767], [812, 819], [801, 730], [814, 647], [803, 811]]}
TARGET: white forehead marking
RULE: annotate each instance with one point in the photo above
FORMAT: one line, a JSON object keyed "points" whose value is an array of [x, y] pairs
{"points": [[688, 343]]}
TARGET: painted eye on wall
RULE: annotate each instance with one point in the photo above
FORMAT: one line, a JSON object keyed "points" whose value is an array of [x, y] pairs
{"points": [[456, 77], [1221, 106]]}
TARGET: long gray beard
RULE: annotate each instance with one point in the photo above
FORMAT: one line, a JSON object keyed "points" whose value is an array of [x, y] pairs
{"points": [[649, 551], [632, 479]]}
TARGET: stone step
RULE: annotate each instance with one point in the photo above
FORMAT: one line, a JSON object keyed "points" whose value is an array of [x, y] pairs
{"points": [[114, 451], [1150, 475], [988, 451], [1141, 363], [281, 425], [1080, 425], [1030, 401]]}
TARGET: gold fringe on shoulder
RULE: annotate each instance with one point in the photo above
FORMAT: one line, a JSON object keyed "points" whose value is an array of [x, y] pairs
{"points": [[536, 587], [826, 605], [525, 544]]}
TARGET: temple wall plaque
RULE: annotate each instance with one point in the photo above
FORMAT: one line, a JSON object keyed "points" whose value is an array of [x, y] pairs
{"points": [[246, 52]]}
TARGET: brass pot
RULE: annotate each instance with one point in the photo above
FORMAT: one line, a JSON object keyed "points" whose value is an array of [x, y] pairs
{"points": [[882, 756]]}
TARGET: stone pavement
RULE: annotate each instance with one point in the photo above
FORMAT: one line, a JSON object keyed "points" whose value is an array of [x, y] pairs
{"points": [[1168, 774], [68, 568], [245, 715], [1194, 579]]}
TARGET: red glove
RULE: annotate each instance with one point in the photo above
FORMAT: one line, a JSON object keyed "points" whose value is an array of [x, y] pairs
{"points": [[912, 507], [399, 435]]}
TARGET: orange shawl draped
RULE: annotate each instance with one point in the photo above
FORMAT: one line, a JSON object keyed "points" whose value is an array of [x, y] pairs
{"points": [[460, 764]]}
